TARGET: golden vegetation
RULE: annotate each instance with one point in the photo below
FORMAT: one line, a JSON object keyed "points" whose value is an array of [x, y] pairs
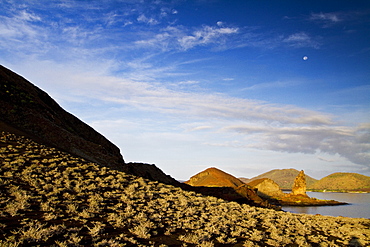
{"points": [[50, 198], [342, 181]]}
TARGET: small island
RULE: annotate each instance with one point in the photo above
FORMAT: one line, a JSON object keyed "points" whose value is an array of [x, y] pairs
{"points": [[268, 189]]}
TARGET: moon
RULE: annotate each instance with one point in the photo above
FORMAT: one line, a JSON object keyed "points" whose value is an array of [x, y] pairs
{"points": [[305, 58]]}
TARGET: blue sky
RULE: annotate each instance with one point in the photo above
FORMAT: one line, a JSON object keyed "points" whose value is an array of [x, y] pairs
{"points": [[188, 85]]}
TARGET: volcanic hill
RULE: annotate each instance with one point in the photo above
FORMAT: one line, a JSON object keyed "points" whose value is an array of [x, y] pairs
{"points": [[216, 182], [283, 177], [33, 113], [29, 111], [342, 181], [213, 177]]}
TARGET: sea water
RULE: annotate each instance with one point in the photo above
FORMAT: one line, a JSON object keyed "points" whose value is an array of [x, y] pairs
{"points": [[358, 205]]}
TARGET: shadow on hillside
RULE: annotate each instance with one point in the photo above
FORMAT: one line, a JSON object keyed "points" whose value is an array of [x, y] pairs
{"points": [[355, 242], [230, 194]]}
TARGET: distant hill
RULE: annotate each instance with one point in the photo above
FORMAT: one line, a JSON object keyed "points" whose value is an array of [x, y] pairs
{"points": [[283, 177], [341, 181], [213, 177]]}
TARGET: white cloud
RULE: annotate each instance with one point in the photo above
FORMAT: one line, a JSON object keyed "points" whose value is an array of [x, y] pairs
{"points": [[204, 36], [275, 84], [301, 39], [190, 82], [178, 37], [198, 128], [27, 16], [144, 19], [327, 19], [14, 28]]}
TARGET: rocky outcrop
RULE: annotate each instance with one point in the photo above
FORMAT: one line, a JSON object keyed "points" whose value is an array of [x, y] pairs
{"points": [[283, 177], [267, 188], [149, 171], [299, 186], [215, 182]]}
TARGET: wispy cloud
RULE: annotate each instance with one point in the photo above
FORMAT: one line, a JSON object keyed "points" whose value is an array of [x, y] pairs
{"points": [[147, 20], [275, 84], [332, 17], [206, 35], [326, 19], [301, 39], [180, 38], [325, 159], [19, 26]]}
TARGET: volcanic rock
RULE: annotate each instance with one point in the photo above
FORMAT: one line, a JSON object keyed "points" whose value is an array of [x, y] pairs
{"points": [[267, 188], [283, 177], [35, 114], [299, 186]]}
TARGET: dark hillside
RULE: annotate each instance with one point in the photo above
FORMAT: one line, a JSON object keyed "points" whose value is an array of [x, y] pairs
{"points": [[34, 113], [28, 111]]}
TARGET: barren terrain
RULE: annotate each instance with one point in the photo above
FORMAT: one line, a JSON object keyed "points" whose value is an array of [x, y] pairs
{"points": [[51, 198]]}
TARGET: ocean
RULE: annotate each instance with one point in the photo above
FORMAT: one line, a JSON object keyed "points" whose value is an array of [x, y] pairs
{"points": [[358, 207]]}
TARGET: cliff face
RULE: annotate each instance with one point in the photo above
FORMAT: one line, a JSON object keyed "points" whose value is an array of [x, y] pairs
{"points": [[33, 113]]}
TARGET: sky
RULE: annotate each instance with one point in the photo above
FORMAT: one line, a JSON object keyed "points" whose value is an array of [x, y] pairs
{"points": [[244, 86]]}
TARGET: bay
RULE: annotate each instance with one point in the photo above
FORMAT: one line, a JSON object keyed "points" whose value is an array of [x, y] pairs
{"points": [[358, 207]]}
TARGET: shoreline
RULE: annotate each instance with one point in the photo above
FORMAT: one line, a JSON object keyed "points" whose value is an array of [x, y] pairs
{"points": [[325, 204], [334, 191]]}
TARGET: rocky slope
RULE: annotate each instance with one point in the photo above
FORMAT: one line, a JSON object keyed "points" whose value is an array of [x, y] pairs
{"points": [[283, 177], [34, 113], [29, 111], [343, 182]]}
